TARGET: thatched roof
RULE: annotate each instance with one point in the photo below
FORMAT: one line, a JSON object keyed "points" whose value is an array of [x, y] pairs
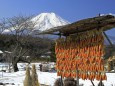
{"points": [[101, 22]]}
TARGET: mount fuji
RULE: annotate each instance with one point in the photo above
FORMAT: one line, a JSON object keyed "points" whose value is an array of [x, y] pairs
{"points": [[45, 21]]}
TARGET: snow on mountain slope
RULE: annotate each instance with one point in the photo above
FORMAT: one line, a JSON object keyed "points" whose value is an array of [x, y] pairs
{"points": [[45, 21]]}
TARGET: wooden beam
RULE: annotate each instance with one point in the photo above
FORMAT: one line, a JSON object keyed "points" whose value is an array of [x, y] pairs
{"points": [[108, 39], [102, 22]]}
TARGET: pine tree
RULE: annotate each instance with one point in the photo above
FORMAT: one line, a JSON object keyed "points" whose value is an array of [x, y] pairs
{"points": [[34, 76], [28, 79]]}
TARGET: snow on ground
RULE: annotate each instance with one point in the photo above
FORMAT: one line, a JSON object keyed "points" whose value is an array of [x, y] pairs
{"points": [[18, 77], [47, 78]]}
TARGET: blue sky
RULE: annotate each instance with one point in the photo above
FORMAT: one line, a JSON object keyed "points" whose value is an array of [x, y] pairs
{"points": [[71, 10]]}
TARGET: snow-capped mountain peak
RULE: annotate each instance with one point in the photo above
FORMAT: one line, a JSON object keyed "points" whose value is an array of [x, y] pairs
{"points": [[46, 21]]}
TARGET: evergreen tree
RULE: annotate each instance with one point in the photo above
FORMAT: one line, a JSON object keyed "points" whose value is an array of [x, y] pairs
{"points": [[34, 76], [28, 79]]}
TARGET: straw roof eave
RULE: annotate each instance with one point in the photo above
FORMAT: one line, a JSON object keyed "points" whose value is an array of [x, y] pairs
{"points": [[101, 22]]}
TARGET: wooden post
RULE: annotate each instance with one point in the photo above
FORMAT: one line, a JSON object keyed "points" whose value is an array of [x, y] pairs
{"points": [[77, 79], [61, 81], [92, 83], [101, 84]]}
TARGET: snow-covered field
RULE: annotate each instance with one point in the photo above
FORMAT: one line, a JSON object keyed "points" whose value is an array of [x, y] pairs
{"points": [[47, 78]]}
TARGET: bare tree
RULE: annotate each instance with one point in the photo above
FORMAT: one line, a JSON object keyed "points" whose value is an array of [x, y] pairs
{"points": [[23, 44], [3, 25], [19, 26]]}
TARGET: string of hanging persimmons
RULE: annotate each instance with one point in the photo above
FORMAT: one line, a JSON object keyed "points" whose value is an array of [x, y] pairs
{"points": [[82, 52]]}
